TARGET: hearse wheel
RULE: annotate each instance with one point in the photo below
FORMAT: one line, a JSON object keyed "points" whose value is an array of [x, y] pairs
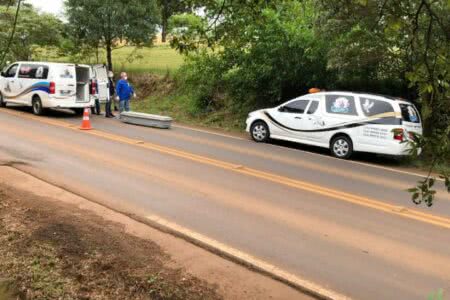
{"points": [[38, 110], [2, 102], [342, 147], [260, 132]]}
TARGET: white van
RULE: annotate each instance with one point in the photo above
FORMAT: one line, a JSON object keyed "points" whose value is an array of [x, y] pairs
{"points": [[344, 122], [44, 85]]}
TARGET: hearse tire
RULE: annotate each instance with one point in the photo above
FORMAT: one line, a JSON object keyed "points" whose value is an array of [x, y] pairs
{"points": [[37, 108], [260, 132], [341, 147], [2, 102]]}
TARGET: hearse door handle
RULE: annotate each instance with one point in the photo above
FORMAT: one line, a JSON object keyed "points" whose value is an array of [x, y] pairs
{"points": [[298, 118]]}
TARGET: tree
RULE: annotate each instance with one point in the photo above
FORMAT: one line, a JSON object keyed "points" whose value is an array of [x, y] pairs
{"points": [[168, 9], [410, 38], [23, 33], [259, 52], [113, 23]]}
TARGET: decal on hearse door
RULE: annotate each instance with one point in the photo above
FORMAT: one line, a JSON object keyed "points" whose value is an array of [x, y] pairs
{"points": [[341, 105], [373, 107], [367, 106], [374, 132]]}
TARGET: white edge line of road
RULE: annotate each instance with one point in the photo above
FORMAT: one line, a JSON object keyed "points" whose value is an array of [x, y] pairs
{"points": [[245, 259], [311, 153], [208, 131]]}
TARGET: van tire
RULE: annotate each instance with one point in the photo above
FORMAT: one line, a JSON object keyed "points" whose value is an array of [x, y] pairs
{"points": [[341, 146], [78, 111], [260, 132], [2, 102], [36, 106]]}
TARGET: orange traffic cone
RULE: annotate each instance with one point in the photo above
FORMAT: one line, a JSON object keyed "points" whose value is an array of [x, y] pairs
{"points": [[86, 124]]}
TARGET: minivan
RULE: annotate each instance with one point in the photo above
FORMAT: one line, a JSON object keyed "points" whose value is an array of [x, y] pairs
{"points": [[344, 122], [42, 85]]}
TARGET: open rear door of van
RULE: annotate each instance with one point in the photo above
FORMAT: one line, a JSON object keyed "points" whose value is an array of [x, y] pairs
{"points": [[101, 76], [63, 77]]}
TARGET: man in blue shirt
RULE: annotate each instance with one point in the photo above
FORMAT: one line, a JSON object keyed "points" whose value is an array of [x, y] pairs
{"points": [[124, 92]]}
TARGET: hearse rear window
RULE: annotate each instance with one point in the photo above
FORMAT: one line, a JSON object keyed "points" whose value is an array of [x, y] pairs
{"points": [[341, 105], [372, 107], [33, 71], [409, 113]]}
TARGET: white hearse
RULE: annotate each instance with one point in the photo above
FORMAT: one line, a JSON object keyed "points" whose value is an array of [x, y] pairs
{"points": [[344, 122], [44, 85]]}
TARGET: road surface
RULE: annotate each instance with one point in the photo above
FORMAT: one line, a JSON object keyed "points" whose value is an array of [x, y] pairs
{"points": [[348, 226]]}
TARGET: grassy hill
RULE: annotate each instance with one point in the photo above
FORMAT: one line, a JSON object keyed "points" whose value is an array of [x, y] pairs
{"points": [[158, 60]]}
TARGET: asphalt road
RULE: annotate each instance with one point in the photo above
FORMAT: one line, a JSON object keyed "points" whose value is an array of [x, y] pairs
{"points": [[346, 225]]}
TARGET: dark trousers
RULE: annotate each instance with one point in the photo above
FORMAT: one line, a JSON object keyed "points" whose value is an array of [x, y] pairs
{"points": [[98, 110], [108, 111]]}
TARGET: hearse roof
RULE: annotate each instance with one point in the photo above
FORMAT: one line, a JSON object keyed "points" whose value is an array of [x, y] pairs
{"points": [[365, 94]]}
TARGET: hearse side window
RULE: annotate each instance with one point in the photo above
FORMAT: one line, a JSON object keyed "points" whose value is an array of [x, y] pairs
{"points": [[409, 113], [341, 105], [297, 107], [372, 107], [12, 71], [33, 71], [313, 107]]}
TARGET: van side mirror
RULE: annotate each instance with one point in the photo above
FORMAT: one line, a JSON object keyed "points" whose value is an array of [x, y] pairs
{"points": [[3, 74], [281, 109]]}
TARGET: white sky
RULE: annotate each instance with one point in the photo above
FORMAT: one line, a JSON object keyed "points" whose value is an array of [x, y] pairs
{"points": [[50, 6]]}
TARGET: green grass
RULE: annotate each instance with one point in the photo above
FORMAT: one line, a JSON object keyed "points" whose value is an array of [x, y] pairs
{"points": [[180, 108], [157, 60]]}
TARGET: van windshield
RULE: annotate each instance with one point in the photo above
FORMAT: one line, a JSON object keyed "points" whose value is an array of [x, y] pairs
{"points": [[409, 113]]}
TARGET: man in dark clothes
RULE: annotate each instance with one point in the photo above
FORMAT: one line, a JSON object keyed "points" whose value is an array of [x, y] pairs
{"points": [[112, 92]]}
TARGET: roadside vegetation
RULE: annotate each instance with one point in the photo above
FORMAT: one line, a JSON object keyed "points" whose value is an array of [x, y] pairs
{"points": [[51, 250], [228, 58]]}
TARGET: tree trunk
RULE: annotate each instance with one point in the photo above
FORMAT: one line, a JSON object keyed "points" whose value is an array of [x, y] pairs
{"points": [[164, 31], [165, 19], [109, 55]]}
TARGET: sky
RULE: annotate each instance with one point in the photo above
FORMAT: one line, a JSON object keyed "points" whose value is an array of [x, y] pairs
{"points": [[50, 6]]}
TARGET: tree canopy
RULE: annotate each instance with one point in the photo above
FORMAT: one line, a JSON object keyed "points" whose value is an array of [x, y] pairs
{"points": [[263, 52], [113, 23], [33, 30]]}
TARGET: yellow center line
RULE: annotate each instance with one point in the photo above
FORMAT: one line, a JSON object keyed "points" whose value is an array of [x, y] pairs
{"points": [[282, 180]]}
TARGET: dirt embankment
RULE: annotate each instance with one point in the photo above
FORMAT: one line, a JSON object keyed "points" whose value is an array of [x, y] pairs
{"points": [[51, 250]]}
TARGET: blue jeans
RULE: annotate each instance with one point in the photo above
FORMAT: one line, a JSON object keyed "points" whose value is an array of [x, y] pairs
{"points": [[124, 105]]}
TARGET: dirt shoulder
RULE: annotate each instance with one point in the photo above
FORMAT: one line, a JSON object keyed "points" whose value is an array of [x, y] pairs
{"points": [[56, 245]]}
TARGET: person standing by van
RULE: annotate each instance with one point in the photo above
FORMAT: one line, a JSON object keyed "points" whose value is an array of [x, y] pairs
{"points": [[124, 92], [112, 92]]}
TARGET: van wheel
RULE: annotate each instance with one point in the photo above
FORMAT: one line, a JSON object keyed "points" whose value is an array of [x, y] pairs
{"points": [[38, 110], [78, 111], [2, 102], [342, 147], [260, 132]]}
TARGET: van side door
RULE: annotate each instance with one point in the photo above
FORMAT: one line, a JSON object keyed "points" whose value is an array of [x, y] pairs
{"points": [[32, 79], [10, 85]]}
